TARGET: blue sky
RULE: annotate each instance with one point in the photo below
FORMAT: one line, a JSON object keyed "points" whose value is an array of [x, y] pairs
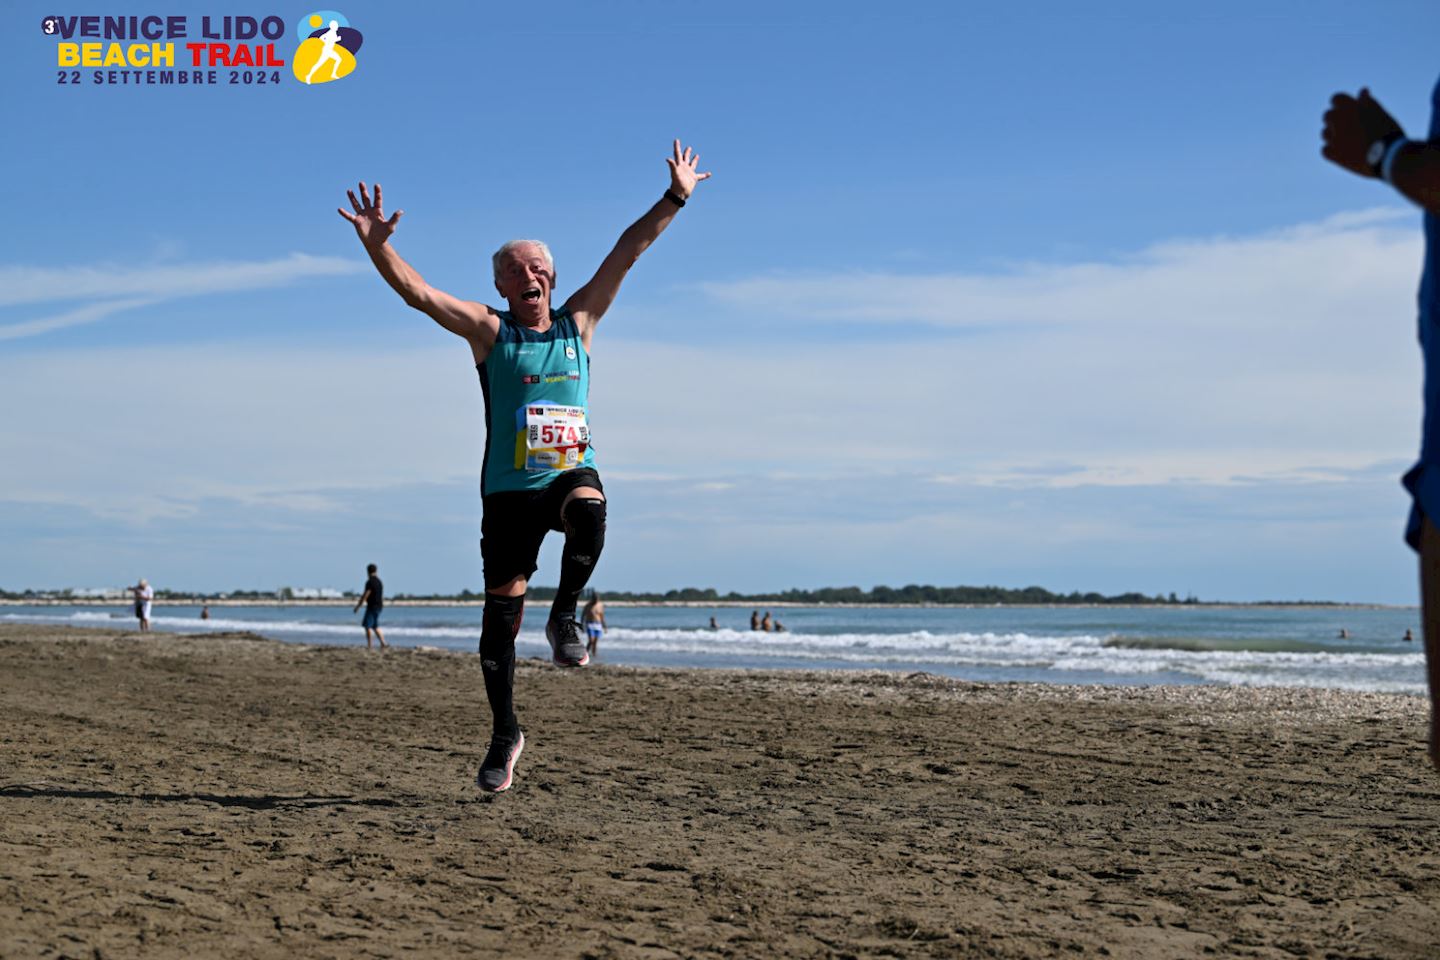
{"points": [[1050, 294]]}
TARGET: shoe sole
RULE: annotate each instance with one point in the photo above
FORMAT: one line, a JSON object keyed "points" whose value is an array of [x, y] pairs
{"points": [[509, 769]]}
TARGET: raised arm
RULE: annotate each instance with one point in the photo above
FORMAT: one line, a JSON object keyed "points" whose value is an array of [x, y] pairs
{"points": [[1361, 136], [475, 322], [588, 304]]}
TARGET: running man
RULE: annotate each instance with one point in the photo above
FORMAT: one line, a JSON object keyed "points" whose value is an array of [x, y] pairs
{"points": [[373, 597], [1364, 139], [539, 471], [328, 39]]}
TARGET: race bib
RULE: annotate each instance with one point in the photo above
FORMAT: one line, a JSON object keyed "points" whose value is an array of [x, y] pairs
{"points": [[550, 437]]}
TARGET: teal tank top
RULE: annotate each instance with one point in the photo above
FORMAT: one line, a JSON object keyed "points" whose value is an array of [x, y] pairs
{"points": [[537, 389]]}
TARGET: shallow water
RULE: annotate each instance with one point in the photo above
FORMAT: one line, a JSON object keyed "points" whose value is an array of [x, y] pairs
{"points": [[1261, 646]]}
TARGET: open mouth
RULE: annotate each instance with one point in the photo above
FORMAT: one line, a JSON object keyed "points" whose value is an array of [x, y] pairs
{"points": [[532, 295]]}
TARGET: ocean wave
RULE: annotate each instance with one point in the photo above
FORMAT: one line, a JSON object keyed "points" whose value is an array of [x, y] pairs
{"points": [[1234, 644], [1056, 657]]}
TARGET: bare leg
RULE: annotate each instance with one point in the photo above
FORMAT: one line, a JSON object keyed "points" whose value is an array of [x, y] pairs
{"points": [[1430, 617], [368, 643], [381, 637]]}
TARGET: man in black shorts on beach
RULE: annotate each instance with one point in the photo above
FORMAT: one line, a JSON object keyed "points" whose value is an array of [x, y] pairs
{"points": [[373, 599], [539, 472]]}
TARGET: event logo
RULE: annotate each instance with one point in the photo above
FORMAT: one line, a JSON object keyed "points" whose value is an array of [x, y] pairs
{"points": [[209, 50], [328, 45]]}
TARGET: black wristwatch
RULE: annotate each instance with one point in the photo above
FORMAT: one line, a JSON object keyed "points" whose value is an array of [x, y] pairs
{"points": [[1375, 156]]}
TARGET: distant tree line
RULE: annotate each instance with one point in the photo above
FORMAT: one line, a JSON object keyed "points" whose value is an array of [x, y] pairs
{"points": [[910, 593]]}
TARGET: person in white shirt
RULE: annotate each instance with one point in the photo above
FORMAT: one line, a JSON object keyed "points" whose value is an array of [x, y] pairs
{"points": [[144, 595]]}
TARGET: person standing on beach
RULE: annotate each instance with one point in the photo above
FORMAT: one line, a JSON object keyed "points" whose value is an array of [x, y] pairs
{"points": [[144, 596], [594, 619], [1361, 137], [373, 597], [539, 470]]}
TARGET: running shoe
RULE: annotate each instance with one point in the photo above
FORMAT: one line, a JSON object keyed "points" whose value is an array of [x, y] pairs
{"points": [[566, 647], [498, 769]]}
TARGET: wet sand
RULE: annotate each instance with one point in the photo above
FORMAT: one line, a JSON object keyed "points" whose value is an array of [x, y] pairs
{"points": [[168, 796]]}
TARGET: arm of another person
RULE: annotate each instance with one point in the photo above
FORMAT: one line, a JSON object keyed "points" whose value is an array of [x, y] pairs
{"points": [[475, 322], [588, 304], [1353, 124]]}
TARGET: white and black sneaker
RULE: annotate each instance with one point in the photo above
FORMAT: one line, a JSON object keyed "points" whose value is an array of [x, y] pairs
{"points": [[498, 769], [566, 647]]}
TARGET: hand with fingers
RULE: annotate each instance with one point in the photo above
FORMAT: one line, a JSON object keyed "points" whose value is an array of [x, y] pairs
{"points": [[1352, 126], [369, 218], [682, 171]]}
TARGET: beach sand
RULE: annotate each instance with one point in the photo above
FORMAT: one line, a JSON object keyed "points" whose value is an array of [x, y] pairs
{"points": [[172, 796]]}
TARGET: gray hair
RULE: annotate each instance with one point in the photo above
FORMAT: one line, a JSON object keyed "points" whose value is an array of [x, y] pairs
{"points": [[512, 244]]}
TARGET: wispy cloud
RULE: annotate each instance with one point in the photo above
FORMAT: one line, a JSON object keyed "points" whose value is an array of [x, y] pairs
{"points": [[71, 318], [1222, 281], [113, 288]]}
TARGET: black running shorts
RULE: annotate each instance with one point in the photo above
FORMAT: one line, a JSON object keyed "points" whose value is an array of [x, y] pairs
{"points": [[514, 523]]}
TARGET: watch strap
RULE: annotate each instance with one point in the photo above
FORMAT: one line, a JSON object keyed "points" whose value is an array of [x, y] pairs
{"points": [[1380, 149]]}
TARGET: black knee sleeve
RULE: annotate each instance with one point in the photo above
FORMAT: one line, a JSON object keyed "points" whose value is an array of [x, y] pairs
{"points": [[499, 624], [584, 539], [584, 531]]}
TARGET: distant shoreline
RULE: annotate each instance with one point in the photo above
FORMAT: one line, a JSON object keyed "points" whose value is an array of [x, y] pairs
{"points": [[734, 604]]}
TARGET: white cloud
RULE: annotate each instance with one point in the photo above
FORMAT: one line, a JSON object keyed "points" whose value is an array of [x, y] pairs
{"points": [[146, 431], [1222, 281], [115, 287], [1192, 360], [71, 318]]}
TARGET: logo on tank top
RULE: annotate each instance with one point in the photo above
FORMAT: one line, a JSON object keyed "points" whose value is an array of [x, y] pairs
{"points": [[569, 352]]}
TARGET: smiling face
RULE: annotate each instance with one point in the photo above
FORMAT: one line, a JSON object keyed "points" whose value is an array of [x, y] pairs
{"points": [[525, 278]]}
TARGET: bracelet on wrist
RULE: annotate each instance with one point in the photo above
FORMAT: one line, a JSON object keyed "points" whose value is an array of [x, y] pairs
{"points": [[1388, 164], [1379, 149], [674, 198]]}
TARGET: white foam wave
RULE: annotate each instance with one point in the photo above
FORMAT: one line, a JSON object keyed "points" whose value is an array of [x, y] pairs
{"points": [[1014, 654]]}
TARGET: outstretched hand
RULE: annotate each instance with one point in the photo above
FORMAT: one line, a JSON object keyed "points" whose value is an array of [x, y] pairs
{"points": [[369, 218], [682, 171], [1352, 124]]}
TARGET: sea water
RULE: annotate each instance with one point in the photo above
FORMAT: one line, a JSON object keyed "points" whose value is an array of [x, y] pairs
{"points": [[1234, 645]]}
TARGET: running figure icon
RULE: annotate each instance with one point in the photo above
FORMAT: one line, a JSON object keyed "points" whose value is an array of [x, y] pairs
{"points": [[329, 38]]}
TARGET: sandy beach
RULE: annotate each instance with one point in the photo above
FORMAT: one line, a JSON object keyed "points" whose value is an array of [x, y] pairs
{"points": [[172, 796]]}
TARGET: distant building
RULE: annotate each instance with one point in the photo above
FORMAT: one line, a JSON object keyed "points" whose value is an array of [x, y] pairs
{"points": [[100, 593]]}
